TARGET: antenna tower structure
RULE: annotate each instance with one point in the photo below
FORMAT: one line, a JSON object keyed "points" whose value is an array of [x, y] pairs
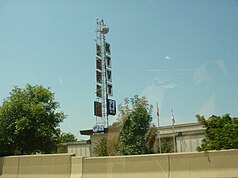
{"points": [[103, 106]]}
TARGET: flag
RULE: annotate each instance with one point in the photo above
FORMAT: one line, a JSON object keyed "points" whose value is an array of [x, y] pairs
{"points": [[98, 50], [157, 108], [107, 48], [173, 119], [172, 116]]}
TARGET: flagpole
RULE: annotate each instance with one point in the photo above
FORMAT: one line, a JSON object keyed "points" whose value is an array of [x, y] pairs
{"points": [[173, 122], [158, 130]]}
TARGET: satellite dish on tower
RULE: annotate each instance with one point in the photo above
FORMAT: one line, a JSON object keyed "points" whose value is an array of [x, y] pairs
{"points": [[104, 30]]}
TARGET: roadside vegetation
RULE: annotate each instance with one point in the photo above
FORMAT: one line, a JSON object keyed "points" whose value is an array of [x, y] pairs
{"points": [[221, 132], [29, 122], [139, 136]]}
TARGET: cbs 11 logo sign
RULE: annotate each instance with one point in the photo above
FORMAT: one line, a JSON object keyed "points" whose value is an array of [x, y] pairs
{"points": [[111, 107]]}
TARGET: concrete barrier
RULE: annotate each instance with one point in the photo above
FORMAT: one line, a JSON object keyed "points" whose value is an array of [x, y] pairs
{"points": [[76, 167], [178, 165], [1, 165], [126, 166], [204, 164], [10, 165], [45, 166]]}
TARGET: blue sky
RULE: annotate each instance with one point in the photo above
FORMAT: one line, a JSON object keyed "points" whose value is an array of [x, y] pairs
{"points": [[182, 54]]}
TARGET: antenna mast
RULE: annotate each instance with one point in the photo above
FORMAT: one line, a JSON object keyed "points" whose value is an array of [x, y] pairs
{"points": [[103, 106]]}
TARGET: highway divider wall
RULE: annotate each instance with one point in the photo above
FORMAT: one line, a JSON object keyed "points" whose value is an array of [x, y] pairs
{"points": [[176, 165], [126, 166], [204, 164], [76, 167], [37, 166], [9, 166]]}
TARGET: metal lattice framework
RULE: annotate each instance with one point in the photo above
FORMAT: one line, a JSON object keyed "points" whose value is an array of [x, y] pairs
{"points": [[103, 77]]}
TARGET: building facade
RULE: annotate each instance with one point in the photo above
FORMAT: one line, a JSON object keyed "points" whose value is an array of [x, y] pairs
{"points": [[79, 148], [187, 137]]}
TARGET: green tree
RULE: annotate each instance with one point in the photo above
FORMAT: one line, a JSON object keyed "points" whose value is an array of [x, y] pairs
{"points": [[166, 145], [136, 117], [221, 132], [124, 111], [150, 138], [29, 121], [101, 148], [66, 137], [106, 147]]}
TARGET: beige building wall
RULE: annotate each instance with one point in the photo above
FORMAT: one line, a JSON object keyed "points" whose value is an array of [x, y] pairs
{"points": [[187, 136], [79, 150], [188, 143]]}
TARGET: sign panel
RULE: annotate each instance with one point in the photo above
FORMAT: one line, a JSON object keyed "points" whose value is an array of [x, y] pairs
{"points": [[109, 75], [99, 91], [97, 109], [99, 50], [111, 107], [109, 89], [107, 48], [98, 63], [108, 62], [99, 77], [98, 128]]}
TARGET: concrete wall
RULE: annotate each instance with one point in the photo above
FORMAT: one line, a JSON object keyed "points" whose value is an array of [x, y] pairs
{"points": [[126, 166], [76, 167], [58, 166], [37, 166], [205, 164], [177, 165], [9, 166]]}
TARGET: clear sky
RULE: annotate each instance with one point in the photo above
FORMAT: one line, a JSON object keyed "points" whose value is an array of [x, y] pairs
{"points": [[183, 54]]}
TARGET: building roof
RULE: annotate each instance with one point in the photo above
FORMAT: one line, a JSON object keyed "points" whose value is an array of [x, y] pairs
{"points": [[82, 142], [86, 132], [185, 128]]}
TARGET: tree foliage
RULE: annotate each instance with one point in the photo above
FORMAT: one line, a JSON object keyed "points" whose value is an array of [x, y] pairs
{"points": [[106, 147], [136, 118], [152, 141], [221, 132], [66, 137], [166, 145], [29, 121], [150, 138]]}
